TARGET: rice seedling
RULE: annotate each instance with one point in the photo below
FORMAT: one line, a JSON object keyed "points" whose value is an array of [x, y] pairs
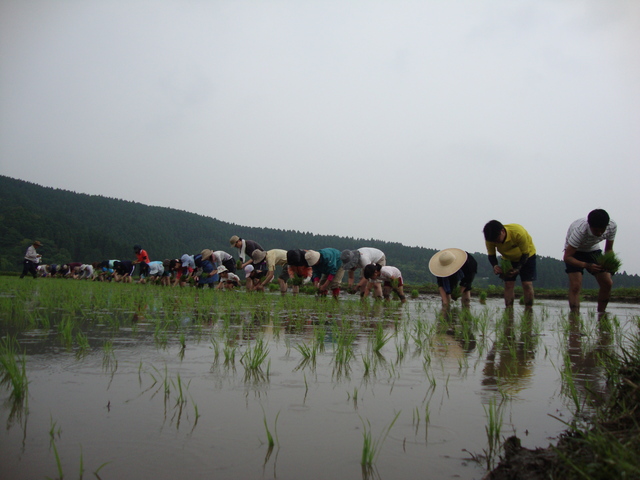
{"points": [[506, 266], [609, 262], [379, 339], [494, 415], [482, 297], [254, 356], [371, 447], [270, 440], [415, 293], [13, 370]]}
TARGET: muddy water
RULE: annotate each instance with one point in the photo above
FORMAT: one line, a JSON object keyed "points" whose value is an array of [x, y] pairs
{"points": [[145, 406]]}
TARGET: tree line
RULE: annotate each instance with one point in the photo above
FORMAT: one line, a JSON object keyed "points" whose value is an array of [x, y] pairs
{"points": [[77, 227]]}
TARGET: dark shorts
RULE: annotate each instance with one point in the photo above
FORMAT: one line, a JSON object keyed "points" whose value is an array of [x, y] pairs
{"points": [[230, 264], [588, 257], [528, 272], [284, 275]]}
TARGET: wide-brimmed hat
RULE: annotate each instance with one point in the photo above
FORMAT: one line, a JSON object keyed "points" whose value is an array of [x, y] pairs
{"points": [[233, 240], [206, 253], [447, 262], [258, 256], [37, 243], [312, 257], [222, 269], [350, 259], [186, 259]]}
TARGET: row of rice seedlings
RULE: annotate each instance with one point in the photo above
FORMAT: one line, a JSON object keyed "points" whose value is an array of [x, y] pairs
{"points": [[343, 353]]}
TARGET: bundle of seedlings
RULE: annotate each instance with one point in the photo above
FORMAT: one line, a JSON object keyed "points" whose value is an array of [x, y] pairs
{"points": [[609, 262], [506, 266]]}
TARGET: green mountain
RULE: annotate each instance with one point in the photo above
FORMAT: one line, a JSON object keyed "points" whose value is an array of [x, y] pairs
{"points": [[87, 228]]}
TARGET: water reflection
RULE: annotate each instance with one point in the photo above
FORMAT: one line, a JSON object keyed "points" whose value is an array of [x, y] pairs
{"points": [[509, 363]]}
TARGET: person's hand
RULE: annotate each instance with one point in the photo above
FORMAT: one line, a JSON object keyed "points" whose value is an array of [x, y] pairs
{"points": [[497, 270], [594, 268]]}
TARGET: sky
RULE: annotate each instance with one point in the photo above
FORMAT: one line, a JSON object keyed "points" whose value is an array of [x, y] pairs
{"points": [[406, 121]]}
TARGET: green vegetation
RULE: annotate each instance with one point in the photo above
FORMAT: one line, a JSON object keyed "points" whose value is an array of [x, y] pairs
{"points": [[609, 262]]}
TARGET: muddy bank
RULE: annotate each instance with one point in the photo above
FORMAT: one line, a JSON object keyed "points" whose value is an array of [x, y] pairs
{"points": [[605, 446]]}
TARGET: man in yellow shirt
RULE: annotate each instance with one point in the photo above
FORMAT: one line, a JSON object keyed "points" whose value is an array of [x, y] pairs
{"points": [[514, 244]]}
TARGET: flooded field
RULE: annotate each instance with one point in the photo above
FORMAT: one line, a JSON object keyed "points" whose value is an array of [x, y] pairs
{"points": [[135, 381]]}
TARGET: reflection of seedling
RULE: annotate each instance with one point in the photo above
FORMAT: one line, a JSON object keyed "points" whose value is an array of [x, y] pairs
{"points": [[609, 262]]}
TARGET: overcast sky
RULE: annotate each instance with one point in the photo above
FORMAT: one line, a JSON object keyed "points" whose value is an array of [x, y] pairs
{"points": [[407, 121]]}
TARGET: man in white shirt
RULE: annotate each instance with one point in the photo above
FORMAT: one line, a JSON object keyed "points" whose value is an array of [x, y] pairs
{"points": [[581, 250], [31, 260]]}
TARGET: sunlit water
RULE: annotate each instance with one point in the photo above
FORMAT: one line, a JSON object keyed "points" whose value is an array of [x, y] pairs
{"points": [[139, 402]]}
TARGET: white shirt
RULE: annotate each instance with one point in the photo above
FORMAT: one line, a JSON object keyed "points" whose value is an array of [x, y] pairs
{"points": [[580, 237], [389, 273], [370, 255]]}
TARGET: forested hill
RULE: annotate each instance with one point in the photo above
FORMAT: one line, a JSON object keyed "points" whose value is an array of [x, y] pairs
{"points": [[88, 228]]}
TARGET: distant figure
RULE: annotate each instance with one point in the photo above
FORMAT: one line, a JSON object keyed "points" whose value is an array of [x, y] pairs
{"points": [[581, 250], [31, 260], [223, 258], [228, 280], [273, 258], [155, 272], [358, 259], [453, 267], [299, 270], [85, 272], [142, 258], [123, 270], [185, 272], [515, 244], [245, 249], [207, 275], [391, 278], [327, 270]]}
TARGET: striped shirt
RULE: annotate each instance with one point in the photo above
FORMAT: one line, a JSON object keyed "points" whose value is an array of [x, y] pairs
{"points": [[580, 237]]}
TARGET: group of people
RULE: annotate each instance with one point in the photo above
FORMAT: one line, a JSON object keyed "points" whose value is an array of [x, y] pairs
{"points": [[454, 268]]}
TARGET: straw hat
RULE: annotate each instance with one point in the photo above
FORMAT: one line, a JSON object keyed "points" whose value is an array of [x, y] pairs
{"points": [[206, 253], [258, 256], [447, 262], [222, 269], [312, 257], [233, 240]]}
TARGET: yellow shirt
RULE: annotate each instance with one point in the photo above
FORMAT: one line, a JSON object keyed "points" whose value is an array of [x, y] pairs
{"points": [[276, 257], [518, 242]]}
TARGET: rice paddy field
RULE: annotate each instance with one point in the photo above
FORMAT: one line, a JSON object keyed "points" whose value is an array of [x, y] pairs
{"points": [[137, 381]]}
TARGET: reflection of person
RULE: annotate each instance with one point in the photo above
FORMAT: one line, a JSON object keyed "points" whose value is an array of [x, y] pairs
{"points": [[360, 258], [391, 277], [451, 267], [515, 244], [31, 260], [327, 270], [581, 251]]}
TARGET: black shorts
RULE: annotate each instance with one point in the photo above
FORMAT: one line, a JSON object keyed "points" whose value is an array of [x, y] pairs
{"points": [[588, 257], [528, 272]]}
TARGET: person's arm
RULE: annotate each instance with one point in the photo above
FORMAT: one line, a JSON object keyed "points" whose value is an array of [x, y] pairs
{"points": [[608, 246], [569, 258]]}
